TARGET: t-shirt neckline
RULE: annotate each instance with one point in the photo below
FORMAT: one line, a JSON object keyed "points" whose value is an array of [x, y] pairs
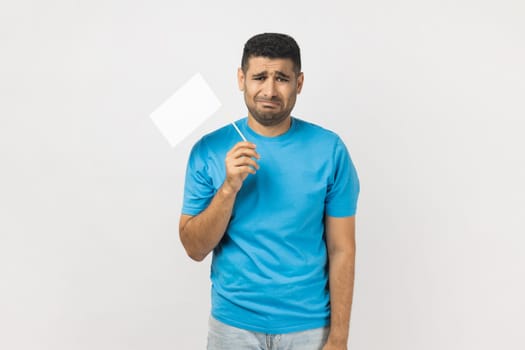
{"points": [[253, 135]]}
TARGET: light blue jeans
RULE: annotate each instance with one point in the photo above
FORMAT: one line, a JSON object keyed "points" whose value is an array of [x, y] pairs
{"points": [[224, 337]]}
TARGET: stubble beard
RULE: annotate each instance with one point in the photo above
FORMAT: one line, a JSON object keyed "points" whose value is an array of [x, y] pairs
{"points": [[269, 118]]}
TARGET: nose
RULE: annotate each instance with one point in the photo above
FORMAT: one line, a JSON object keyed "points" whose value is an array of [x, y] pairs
{"points": [[269, 90]]}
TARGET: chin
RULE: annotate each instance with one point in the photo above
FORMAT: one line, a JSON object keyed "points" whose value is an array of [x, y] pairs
{"points": [[270, 122], [267, 119]]}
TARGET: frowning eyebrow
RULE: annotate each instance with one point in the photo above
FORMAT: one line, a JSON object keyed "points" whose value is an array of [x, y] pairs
{"points": [[279, 74], [282, 75]]}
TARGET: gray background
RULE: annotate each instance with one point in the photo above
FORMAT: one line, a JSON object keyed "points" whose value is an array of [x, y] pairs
{"points": [[428, 96]]}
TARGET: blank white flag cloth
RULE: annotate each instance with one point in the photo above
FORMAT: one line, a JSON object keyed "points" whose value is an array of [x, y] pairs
{"points": [[185, 110]]}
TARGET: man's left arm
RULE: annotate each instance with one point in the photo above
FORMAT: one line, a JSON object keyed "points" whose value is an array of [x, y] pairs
{"points": [[340, 242]]}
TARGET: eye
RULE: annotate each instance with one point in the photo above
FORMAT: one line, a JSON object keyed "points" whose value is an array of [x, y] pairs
{"points": [[282, 79], [259, 78]]}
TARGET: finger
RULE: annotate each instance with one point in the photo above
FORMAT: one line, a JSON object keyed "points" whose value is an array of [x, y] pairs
{"points": [[245, 144], [243, 161], [242, 144], [241, 170], [236, 162], [246, 169], [245, 152]]}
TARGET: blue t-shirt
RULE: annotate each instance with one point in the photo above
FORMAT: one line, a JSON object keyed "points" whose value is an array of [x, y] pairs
{"points": [[269, 272]]}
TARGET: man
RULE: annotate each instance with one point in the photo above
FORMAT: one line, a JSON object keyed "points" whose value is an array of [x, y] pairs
{"points": [[278, 212]]}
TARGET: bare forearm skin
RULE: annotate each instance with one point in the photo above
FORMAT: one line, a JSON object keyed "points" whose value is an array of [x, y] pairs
{"points": [[341, 281], [200, 234]]}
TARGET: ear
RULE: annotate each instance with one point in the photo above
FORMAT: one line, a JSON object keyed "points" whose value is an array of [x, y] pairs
{"points": [[240, 79], [300, 81]]}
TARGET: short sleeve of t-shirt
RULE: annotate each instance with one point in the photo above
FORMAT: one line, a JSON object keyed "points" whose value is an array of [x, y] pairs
{"points": [[198, 187], [343, 188]]}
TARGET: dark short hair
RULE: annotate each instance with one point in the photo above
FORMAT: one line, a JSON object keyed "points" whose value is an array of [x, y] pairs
{"points": [[272, 45]]}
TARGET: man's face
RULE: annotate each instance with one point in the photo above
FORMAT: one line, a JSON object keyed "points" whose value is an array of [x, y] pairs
{"points": [[270, 88]]}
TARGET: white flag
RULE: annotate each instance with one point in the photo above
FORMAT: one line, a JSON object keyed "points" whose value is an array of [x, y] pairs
{"points": [[185, 110]]}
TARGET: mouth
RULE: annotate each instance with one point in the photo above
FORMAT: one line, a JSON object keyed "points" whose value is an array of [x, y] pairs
{"points": [[268, 103]]}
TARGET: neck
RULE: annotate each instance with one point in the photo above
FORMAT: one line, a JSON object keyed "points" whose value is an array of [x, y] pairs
{"points": [[269, 131]]}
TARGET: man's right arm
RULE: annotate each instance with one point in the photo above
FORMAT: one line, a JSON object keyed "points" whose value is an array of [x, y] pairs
{"points": [[200, 234]]}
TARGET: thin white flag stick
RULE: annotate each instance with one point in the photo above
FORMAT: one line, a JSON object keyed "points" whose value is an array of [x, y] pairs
{"points": [[239, 131]]}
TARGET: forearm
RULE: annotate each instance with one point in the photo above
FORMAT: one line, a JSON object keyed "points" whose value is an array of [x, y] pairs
{"points": [[341, 282], [201, 234]]}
